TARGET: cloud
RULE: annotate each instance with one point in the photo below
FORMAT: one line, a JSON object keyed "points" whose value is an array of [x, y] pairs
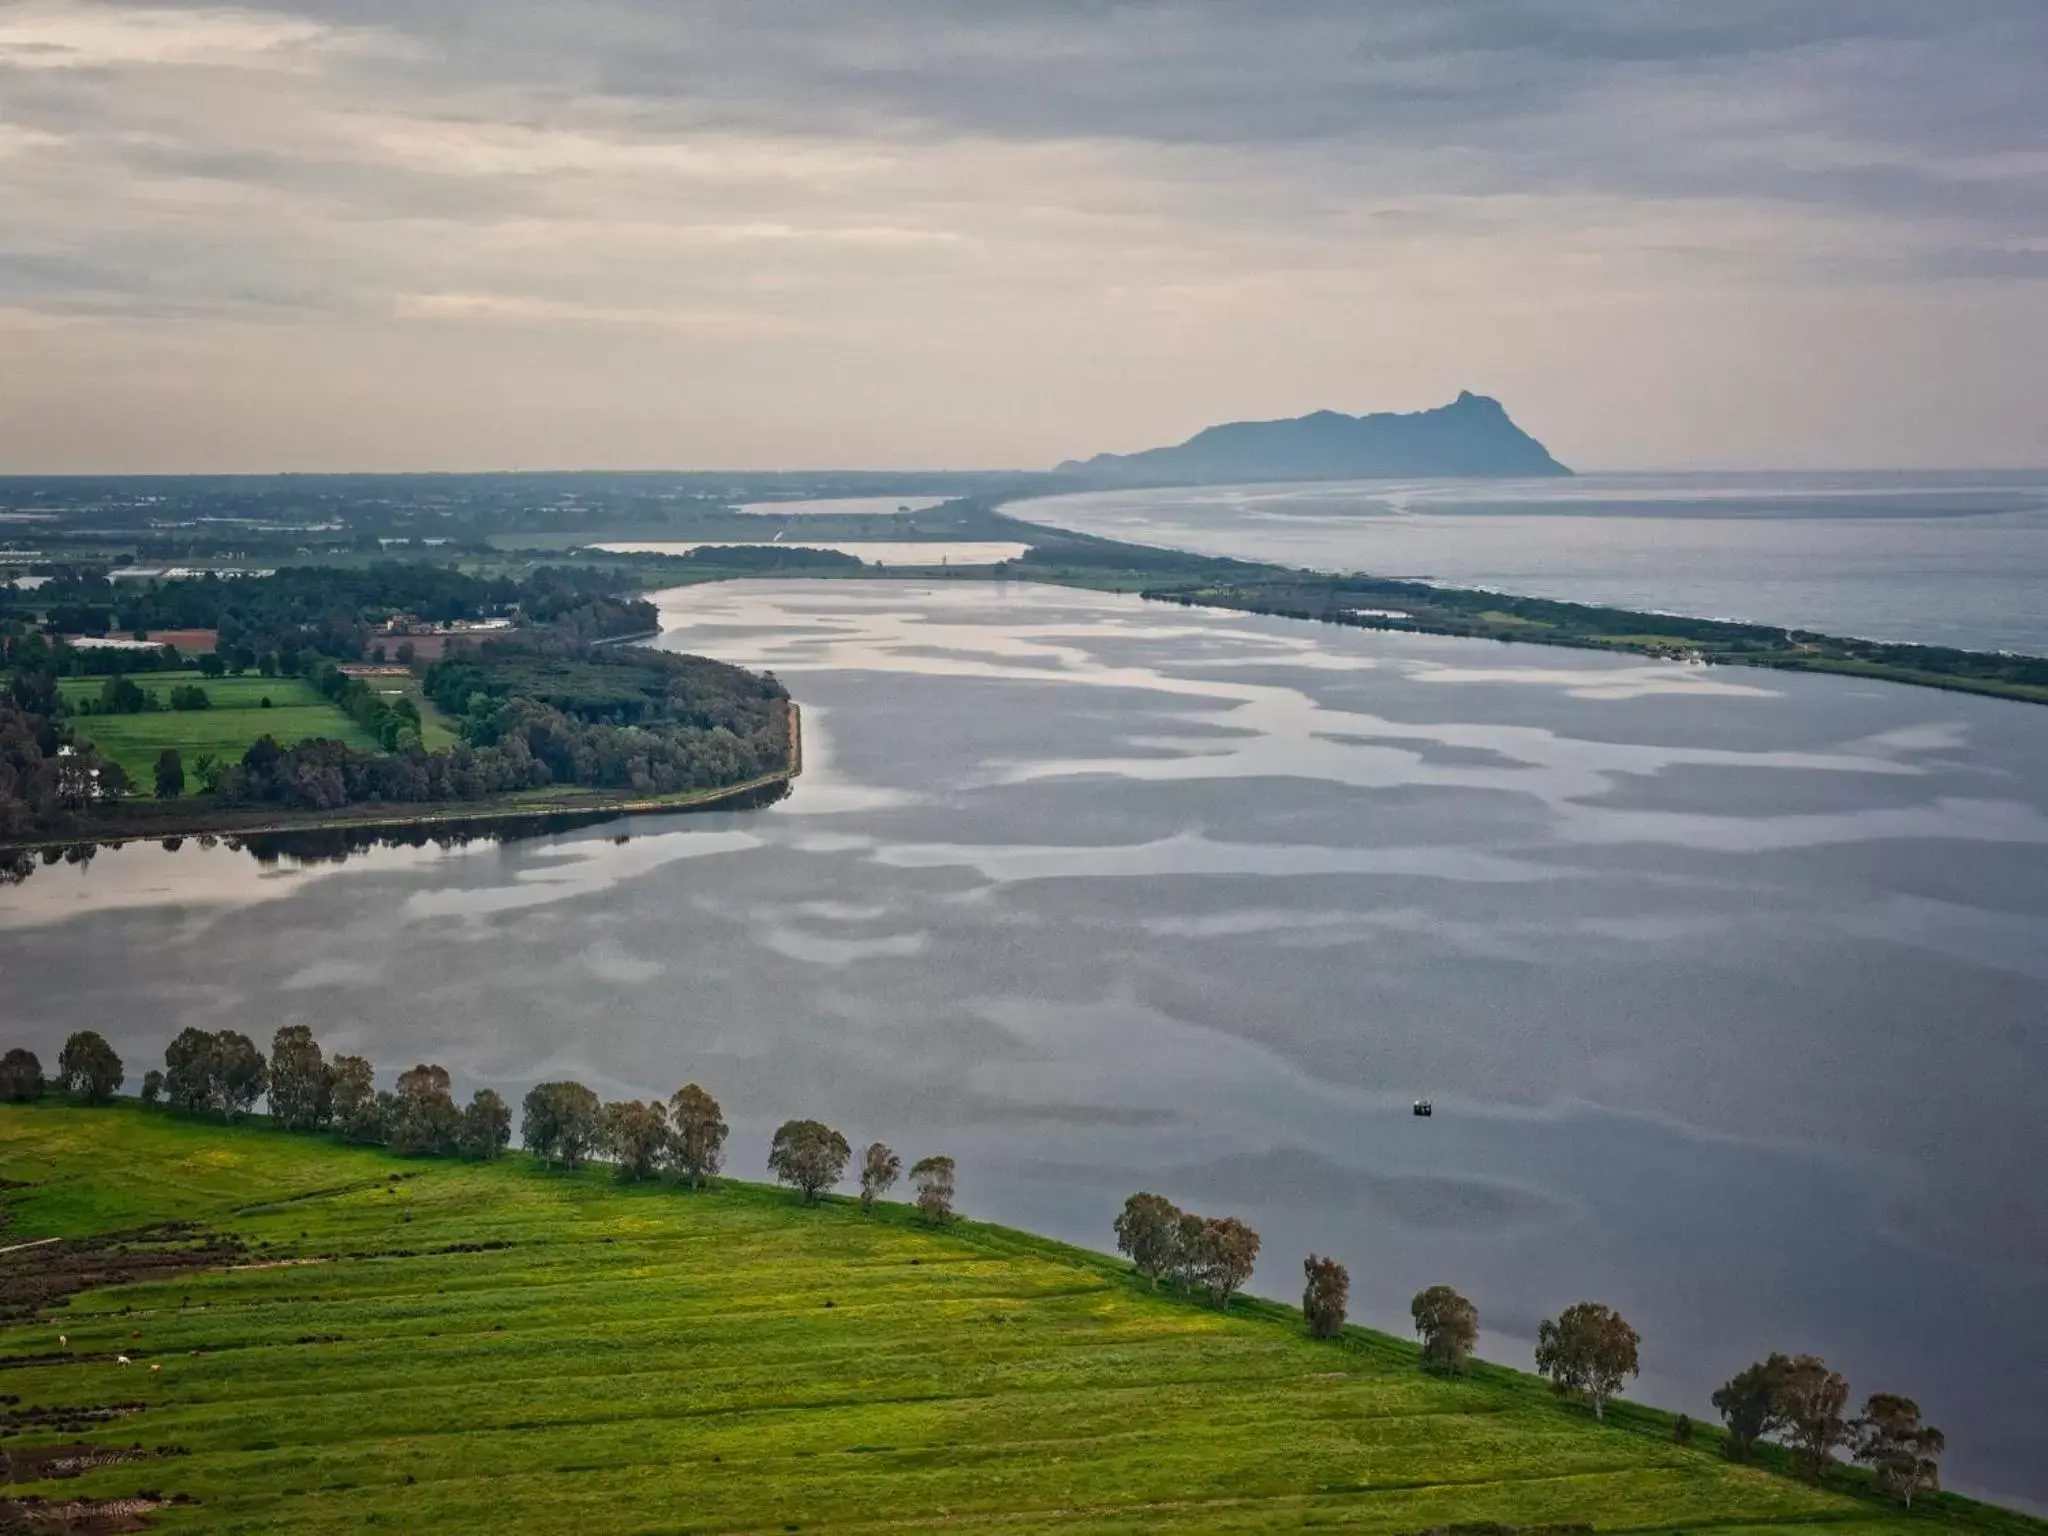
{"points": [[712, 231], [60, 34]]}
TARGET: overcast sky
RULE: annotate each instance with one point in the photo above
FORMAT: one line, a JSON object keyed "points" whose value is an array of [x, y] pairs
{"points": [[774, 233]]}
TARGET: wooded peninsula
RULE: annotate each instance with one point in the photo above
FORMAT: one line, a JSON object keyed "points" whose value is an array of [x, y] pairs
{"points": [[313, 696]]}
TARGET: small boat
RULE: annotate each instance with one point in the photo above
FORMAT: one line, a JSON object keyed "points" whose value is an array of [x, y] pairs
{"points": [[1424, 1108]]}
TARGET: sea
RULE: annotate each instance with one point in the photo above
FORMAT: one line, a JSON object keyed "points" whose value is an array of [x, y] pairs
{"points": [[1728, 987], [1958, 559]]}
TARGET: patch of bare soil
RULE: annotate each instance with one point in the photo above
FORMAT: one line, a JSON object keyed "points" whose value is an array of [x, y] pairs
{"points": [[43, 1276], [33, 1463], [76, 1419], [79, 1517]]}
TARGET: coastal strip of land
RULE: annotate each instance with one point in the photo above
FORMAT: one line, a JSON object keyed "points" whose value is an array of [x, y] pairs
{"points": [[1362, 601]]}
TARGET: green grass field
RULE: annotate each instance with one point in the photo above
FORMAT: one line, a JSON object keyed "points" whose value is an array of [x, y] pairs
{"points": [[643, 1359], [227, 730]]}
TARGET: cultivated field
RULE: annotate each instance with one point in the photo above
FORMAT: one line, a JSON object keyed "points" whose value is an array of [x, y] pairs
{"points": [[227, 730], [428, 1345]]}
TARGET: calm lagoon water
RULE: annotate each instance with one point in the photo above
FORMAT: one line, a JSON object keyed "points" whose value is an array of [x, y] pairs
{"points": [[1940, 559], [1729, 987]]}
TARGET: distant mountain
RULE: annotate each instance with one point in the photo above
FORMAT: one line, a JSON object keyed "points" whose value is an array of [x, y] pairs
{"points": [[1470, 436]]}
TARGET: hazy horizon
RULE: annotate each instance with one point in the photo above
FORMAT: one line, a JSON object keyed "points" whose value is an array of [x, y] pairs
{"points": [[359, 236]]}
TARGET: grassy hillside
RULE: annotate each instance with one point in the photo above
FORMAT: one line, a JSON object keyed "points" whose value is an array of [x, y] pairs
{"points": [[429, 1345]]}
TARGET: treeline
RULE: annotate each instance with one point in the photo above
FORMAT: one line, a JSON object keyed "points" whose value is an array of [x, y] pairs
{"points": [[395, 723], [563, 1124], [1586, 1352], [330, 610]]}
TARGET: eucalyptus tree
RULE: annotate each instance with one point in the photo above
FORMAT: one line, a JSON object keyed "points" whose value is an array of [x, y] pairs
{"points": [[879, 1168], [88, 1067], [697, 1132], [1587, 1350], [932, 1178], [1448, 1326], [808, 1155]]}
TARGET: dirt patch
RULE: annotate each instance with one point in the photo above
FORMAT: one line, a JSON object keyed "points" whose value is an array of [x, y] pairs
{"points": [[79, 1517], [75, 1420], [43, 1276], [34, 1463]]}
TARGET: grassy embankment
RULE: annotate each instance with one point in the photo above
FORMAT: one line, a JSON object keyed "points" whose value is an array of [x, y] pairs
{"points": [[429, 1345]]}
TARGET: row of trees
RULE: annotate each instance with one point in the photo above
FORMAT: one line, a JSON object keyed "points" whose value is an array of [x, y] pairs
{"points": [[562, 1123], [1799, 1398], [565, 1123], [1587, 1351]]}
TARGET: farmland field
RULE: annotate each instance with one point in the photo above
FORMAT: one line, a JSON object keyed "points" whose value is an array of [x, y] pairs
{"points": [[432, 1345], [227, 730]]}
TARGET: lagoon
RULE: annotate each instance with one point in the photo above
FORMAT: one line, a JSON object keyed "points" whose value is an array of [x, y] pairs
{"points": [[1727, 987]]}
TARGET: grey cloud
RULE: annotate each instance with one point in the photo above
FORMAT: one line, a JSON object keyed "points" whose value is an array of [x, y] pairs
{"points": [[871, 181]]}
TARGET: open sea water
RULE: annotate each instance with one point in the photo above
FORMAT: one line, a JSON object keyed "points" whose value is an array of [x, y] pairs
{"points": [[1939, 559]]}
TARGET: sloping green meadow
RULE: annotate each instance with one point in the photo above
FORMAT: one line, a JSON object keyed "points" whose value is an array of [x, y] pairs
{"points": [[435, 1346]]}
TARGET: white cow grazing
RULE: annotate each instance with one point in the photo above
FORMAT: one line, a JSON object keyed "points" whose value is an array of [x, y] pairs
{"points": [[120, 1360]]}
